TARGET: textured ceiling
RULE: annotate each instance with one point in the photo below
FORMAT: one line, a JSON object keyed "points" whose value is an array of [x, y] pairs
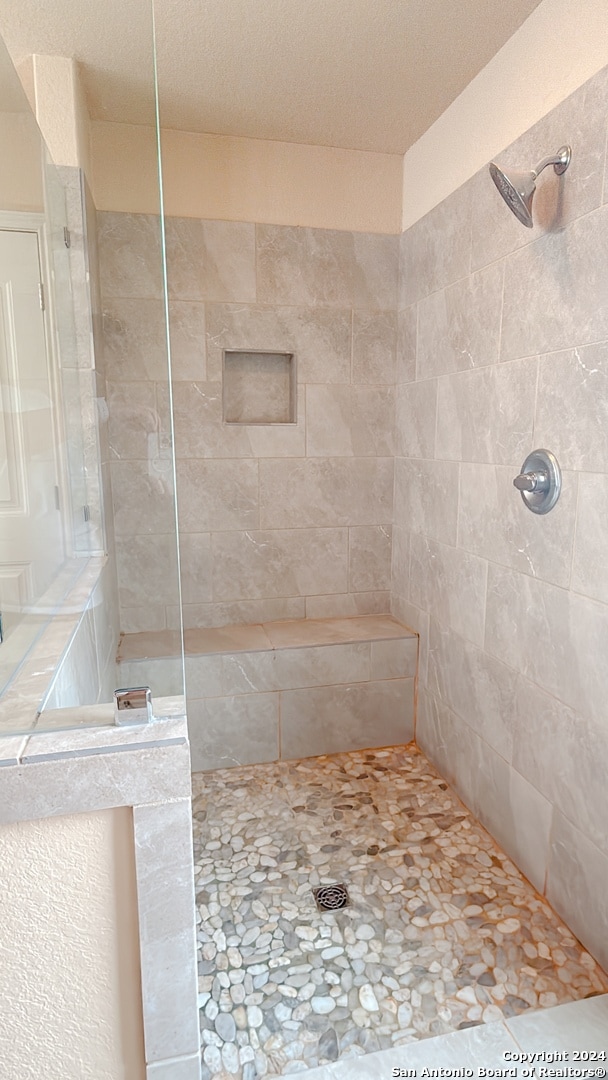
{"points": [[363, 74]]}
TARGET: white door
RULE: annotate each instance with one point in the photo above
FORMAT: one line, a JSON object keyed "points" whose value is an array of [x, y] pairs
{"points": [[31, 532]]}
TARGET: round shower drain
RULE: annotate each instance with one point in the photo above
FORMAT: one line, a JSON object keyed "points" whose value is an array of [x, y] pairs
{"points": [[331, 897]]}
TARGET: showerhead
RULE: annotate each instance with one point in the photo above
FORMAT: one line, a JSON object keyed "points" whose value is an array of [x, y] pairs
{"points": [[517, 187]]}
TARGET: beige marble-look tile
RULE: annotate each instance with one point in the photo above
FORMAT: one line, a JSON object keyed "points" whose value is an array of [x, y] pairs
{"points": [[279, 563], [328, 267], [369, 558], [147, 569], [373, 421], [188, 340], [291, 669], [197, 616], [226, 639], [572, 776], [406, 344], [459, 327], [374, 347], [320, 337], [555, 290], [476, 687], [164, 675], [204, 676], [151, 774], [129, 255], [426, 497], [329, 421], [195, 567], [140, 620], [76, 680], [509, 807], [572, 407], [450, 584], [143, 497], [325, 492], [487, 415], [345, 421], [186, 1068], [394, 659], [210, 260], [400, 561], [343, 605], [334, 631], [281, 440], [436, 251], [108, 680], [579, 120], [416, 419], [494, 522], [149, 645], [576, 886], [106, 614], [482, 1046], [578, 1025], [200, 430], [447, 742], [590, 565], [134, 339], [419, 622], [167, 929], [322, 720], [551, 636], [515, 813], [230, 495], [227, 731]]}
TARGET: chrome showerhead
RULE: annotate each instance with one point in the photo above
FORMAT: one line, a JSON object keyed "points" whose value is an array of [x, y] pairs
{"points": [[517, 187]]}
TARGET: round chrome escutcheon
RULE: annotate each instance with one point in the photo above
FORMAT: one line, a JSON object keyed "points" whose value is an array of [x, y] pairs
{"points": [[540, 481]]}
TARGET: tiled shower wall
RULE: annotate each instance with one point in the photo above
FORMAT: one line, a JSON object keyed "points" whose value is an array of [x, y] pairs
{"points": [[282, 521], [504, 348]]}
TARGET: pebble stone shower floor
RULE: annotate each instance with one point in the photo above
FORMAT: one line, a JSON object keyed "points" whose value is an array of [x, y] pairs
{"points": [[442, 931]]}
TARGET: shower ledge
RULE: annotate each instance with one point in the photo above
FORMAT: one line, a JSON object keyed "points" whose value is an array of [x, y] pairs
{"points": [[280, 690], [260, 637]]}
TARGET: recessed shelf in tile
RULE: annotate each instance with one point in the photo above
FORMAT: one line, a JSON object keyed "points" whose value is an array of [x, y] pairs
{"points": [[259, 387]]}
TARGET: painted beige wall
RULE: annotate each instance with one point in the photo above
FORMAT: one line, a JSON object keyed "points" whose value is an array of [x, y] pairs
{"points": [[255, 180], [20, 172], [559, 47], [69, 978], [56, 94]]}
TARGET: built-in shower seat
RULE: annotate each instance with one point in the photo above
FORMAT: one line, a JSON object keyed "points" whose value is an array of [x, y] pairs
{"points": [[286, 689]]}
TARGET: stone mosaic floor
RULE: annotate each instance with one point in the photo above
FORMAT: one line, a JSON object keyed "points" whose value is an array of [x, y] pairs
{"points": [[442, 932]]}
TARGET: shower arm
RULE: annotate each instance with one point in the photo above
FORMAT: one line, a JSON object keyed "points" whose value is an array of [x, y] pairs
{"points": [[560, 162]]}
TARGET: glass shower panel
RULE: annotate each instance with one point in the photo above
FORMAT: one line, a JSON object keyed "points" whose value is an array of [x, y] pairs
{"points": [[73, 392], [32, 536], [89, 590]]}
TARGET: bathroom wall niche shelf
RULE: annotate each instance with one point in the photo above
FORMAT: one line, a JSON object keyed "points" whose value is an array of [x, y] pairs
{"points": [[259, 387]]}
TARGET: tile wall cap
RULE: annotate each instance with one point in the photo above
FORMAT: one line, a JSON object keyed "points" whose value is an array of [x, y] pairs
{"points": [[169, 727], [268, 636]]}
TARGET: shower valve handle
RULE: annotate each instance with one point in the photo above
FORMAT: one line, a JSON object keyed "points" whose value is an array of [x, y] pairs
{"points": [[532, 481]]}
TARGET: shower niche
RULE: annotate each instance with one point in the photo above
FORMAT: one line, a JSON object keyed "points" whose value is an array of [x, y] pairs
{"points": [[259, 387]]}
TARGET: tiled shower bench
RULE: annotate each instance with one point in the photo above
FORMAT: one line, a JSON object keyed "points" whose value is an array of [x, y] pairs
{"points": [[287, 689]]}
